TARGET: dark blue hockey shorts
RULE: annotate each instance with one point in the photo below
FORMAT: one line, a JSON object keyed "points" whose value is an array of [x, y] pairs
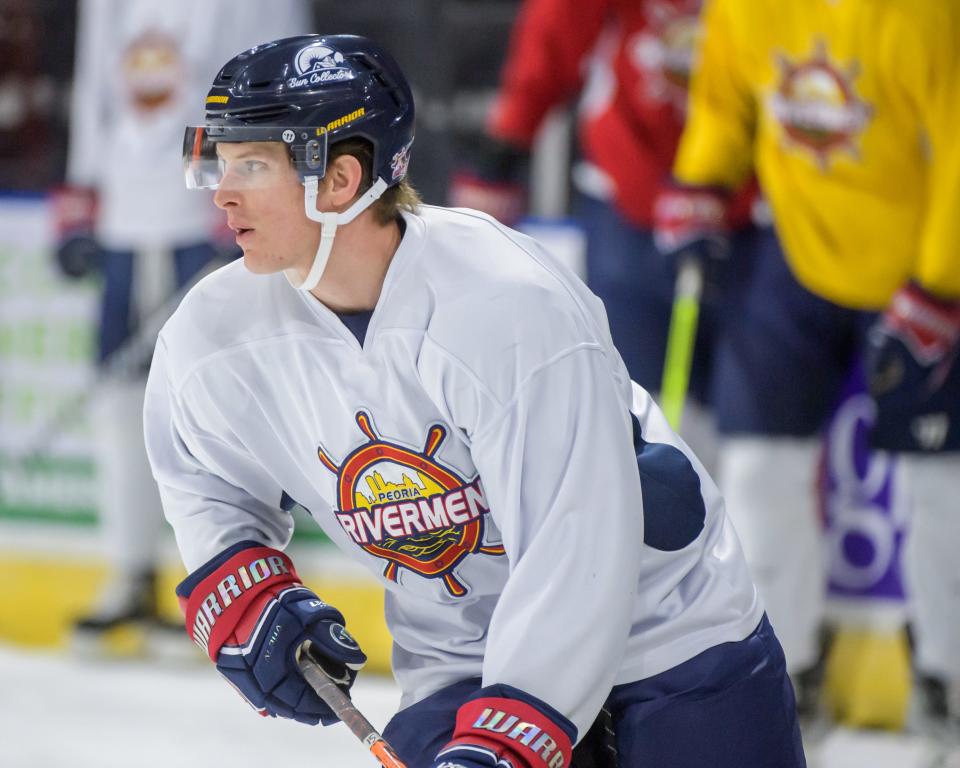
{"points": [[786, 353], [729, 707], [116, 323]]}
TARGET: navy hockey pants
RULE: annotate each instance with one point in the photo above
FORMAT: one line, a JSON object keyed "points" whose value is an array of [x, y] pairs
{"points": [[729, 707], [786, 353], [116, 321]]}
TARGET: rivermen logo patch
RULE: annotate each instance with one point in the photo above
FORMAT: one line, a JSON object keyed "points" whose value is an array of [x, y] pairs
{"points": [[402, 506], [817, 106]]}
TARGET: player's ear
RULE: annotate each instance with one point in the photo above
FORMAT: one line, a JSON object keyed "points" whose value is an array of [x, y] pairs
{"points": [[343, 177]]}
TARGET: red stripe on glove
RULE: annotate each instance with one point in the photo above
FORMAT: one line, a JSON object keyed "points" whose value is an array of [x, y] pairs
{"points": [[512, 729], [218, 603], [929, 326]]}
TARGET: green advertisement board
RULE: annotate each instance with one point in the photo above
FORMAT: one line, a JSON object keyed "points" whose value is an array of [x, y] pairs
{"points": [[47, 330], [47, 470]]}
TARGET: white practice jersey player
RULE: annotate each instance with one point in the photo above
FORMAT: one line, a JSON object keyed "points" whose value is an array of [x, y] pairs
{"points": [[141, 73], [478, 452]]}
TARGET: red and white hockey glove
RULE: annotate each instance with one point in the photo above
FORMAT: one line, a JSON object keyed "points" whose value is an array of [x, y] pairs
{"points": [[75, 215], [503, 727], [490, 180], [691, 224], [911, 346], [247, 609], [691, 219]]}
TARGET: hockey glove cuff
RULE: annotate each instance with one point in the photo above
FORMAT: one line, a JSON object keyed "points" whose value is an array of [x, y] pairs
{"points": [[912, 345], [247, 609], [692, 219], [490, 179], [503, 727], [75, 214]]}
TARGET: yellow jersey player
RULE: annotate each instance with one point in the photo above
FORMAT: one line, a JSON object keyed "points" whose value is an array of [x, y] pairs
{"points": [[848, 113]]}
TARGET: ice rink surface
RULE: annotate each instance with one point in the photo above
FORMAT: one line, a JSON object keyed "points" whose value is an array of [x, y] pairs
{"points": [[58, 712]]}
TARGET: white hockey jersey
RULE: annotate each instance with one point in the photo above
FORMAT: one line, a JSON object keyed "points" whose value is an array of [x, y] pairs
{"points": [[477, 452], [142, 70]]}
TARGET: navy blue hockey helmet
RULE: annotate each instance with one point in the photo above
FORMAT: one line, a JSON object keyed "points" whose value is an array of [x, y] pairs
{"points": [[308, 92]]}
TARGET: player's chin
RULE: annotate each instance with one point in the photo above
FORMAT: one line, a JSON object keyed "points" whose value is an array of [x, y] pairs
{"points": [[259, 263]]}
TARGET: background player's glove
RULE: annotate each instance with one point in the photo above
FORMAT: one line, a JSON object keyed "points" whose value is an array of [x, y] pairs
{"points": [[692, 220], [490, 180], [503, 726], [247, 609], [911, 347], [75, 213]]}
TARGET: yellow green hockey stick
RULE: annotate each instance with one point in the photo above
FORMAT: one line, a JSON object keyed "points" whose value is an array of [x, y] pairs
{"points": [[680, 339]]}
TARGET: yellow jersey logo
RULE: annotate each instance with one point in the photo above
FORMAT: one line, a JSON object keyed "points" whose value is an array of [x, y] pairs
{"points": [[817, 106]]}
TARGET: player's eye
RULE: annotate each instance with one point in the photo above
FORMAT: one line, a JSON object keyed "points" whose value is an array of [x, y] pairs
{"points": [[253, 166]]}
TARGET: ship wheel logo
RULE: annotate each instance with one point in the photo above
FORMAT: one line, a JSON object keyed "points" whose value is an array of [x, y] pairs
{"points": [[818, 106], [402, 506]]}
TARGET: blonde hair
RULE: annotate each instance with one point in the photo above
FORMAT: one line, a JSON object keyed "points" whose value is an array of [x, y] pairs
{"points": [[400, 197]]}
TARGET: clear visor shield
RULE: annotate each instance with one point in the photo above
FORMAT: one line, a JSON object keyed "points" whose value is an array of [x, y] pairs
{"points": [[252, 156]]}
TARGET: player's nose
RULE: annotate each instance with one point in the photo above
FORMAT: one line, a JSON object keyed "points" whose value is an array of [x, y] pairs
{"points": [[227, 194]]}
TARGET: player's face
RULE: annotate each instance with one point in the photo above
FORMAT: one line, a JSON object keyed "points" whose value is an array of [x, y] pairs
{"points": [[262, 196]]}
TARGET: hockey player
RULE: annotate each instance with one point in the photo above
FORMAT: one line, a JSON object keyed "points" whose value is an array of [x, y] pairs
{"points": [[848, 113], [445, 399], [629, 63], [141, 69]]}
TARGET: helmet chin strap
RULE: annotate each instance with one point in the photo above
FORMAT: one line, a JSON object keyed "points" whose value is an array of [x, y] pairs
{"points": [[329, 222]]}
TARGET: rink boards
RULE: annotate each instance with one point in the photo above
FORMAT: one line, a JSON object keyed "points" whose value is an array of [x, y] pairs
{"points": [[53, 575], [50, 557]]}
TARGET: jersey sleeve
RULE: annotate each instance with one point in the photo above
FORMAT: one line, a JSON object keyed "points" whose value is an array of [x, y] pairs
{"points": [[563, 484], [925, 58], [716, 148], [550, 434], [544, 64], [202, 476]]}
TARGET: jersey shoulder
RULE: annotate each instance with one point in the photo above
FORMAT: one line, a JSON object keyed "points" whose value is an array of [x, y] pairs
{"points": [[488, 275], [228, 309], [501, 301], [471, 255]]}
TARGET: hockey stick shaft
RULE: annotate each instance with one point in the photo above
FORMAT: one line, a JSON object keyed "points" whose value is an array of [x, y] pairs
{"points": [[344, 708], [681, 339]]}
